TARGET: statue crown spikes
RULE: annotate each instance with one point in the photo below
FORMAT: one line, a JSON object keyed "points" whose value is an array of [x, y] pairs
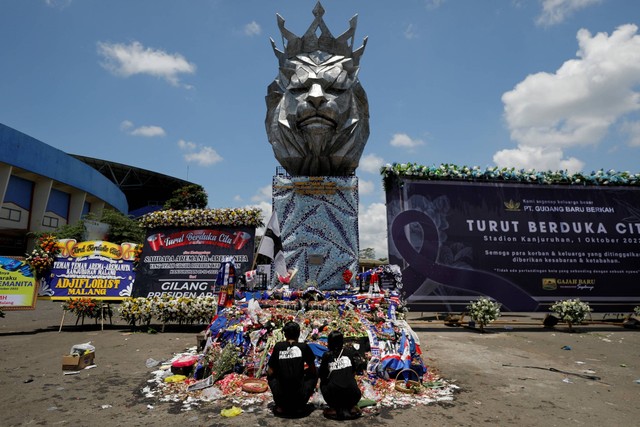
{"points": [[318, 38]]}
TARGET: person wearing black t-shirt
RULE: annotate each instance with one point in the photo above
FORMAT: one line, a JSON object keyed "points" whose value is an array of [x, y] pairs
{"points": [[291, 373], [337, 379]]}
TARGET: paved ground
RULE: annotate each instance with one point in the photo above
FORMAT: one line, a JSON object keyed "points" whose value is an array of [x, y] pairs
{"points": [[516, 374]]}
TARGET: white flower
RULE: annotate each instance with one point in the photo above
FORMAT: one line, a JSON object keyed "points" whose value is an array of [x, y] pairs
{"points": [[484, 311]]}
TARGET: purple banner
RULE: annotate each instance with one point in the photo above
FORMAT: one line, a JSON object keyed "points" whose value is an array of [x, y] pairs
{"points": [[185, 262], [526, 246]]}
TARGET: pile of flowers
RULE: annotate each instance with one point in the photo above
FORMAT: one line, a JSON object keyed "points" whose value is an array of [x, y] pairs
{"points": [[183, 310], [243, 335], [221, 361], [572, 311], [446, 171], [41, 258], [83, 307], [203, 218], [484, 311]]}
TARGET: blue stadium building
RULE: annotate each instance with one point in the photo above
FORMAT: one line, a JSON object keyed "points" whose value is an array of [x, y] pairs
{"points": [[43, 188]]}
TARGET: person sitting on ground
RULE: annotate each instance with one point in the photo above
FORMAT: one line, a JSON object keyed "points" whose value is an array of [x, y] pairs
{"points": [[337, 379], [291, 373]]}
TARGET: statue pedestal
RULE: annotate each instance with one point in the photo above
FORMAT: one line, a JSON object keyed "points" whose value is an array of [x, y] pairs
{"points": [[319, 227]]}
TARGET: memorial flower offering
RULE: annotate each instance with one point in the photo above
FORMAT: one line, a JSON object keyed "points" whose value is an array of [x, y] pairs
{"points": [[240, 339], [40, 261], [484, 311], [137, 311], [465, 173], [571, 311], [42, 256], [203, 218], [82, 307]]}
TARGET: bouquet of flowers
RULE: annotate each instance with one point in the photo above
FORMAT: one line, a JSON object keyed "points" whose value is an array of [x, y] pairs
{"points": [[572, 311], [166, 308], [41, 258], [484, 311], [136, 310], [82, 307], [221, 361]]}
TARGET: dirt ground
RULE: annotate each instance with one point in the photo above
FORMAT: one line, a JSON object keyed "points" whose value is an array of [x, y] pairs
{"points": [[516, 374]]}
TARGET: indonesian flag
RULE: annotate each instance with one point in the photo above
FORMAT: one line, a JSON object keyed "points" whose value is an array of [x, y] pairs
{"points": [[271, 246]]}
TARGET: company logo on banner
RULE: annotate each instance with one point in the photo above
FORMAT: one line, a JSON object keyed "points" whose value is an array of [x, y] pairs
{"points": [[17, 285], [512, 206], [185, 262], [91, 269], [549, 284]]}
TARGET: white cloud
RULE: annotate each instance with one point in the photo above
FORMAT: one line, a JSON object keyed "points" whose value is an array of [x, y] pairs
{"points": [[127, 60], [405, 141], [205, 157], [556, 11], [187, 145], [263, 194], [372, 223], [433, 4], [366, 187], [199, 154], [145, 131], [539, 158], [410, 32], [148, 131], [252, 29], [578, 104], [371, 163], [58, 4], [632, 129], [237, 198], [265, 207]]}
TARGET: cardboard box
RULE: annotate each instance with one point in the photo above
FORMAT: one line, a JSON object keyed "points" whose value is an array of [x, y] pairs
{"points": [[76, 363]]}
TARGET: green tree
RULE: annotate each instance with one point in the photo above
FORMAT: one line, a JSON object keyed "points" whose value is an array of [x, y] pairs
{"points": [[122, 228], [367, 253], [74, 231], [188, 197]]}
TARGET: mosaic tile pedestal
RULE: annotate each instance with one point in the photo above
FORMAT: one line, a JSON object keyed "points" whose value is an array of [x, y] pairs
{"points": [[318, 218]]}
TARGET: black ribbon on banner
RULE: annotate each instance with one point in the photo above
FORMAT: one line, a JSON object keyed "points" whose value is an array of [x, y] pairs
{"points": [[422, 265]]}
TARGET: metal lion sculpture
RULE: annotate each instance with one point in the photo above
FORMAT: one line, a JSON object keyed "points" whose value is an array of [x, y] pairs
{"points": [[317, 111]]}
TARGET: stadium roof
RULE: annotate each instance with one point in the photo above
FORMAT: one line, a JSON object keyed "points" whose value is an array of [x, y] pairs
{"points": [[143, 188]]}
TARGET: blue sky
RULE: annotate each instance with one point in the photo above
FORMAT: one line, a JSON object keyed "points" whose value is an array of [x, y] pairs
{"points": [[178, 87]]}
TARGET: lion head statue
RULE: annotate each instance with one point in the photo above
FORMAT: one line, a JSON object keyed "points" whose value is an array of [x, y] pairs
{"points": [[317, 112]]}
